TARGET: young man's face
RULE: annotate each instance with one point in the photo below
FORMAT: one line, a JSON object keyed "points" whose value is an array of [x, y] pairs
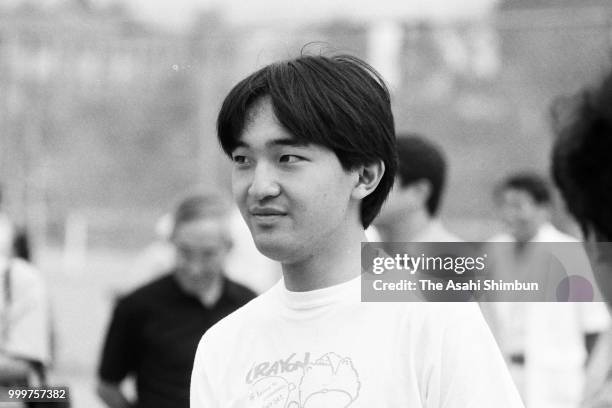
{"points": [[521, 213], [294, 198]]}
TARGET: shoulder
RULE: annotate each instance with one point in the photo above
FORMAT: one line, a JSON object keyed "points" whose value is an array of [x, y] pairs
{"points": [[149, 294], [443, 313], [442, 234], [448, 236], [25, 276], [25, 270], [248, 317], [451, 312], [548, 233], [438, 319], [501, 237], [160, 285], [238, 293]]}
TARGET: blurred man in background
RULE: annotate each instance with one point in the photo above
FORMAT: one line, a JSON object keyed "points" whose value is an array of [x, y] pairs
{"points": [[546, 344], [243, 258], [411, 211], [582, 169], [155, 330], [524, 201]]}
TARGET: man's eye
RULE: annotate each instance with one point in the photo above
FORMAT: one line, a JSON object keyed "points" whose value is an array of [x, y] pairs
{"points": [[239, 159], [290, 158]]}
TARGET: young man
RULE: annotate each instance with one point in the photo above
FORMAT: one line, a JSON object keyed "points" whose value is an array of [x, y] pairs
{"points": [[313, 145], [155, 330], [524, 201], [411, 212], [582, 169]]}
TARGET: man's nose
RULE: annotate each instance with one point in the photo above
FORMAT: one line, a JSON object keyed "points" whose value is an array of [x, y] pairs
{"points": [[264, 183]]}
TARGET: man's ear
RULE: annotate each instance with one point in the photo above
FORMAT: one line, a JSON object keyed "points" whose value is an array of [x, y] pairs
{"points": [[369, 177]]}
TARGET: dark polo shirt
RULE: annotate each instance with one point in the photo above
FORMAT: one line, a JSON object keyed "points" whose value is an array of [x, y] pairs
{"points": [[154, 334]]}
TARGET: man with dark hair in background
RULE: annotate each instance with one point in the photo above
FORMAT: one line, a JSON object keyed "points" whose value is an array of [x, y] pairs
{"points": [[582, 169], [525, 204], [313, 145], [411, 211], [155, 330]]}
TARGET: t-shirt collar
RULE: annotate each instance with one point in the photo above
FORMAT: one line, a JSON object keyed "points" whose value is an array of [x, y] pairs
{"points": [[348, 290]]}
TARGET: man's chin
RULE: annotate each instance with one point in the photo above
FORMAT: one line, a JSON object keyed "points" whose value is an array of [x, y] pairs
{"points": [[274, 248]]}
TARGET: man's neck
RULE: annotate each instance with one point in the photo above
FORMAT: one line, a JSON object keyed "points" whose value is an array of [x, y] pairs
{"points": [[212, 293], [411, 226], [533, 236], [208, 294], [335, 260]]}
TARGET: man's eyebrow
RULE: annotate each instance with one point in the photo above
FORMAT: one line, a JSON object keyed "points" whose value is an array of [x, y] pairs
{"points": [[239, 144], [290, 142]]}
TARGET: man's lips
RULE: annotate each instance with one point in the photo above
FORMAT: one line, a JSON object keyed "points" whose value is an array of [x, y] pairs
{"points": [[266, 212]]}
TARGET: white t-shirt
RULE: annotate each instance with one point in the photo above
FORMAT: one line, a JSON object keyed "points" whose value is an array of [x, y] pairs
{"points": [[325, 348], [549, 335]]}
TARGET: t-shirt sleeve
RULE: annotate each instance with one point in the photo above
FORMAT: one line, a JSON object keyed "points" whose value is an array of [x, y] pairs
{"points": [[201, 391], [471, 371], [119, 354]]}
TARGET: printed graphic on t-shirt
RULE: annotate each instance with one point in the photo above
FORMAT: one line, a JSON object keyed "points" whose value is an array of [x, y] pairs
{"points": [[331, 381]]}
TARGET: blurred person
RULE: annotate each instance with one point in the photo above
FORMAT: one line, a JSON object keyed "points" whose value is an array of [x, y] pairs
{"points": [[155, 330], [21, 241], [410, 214], [524, 201], [582, 169], [546, 344], [313, 148], [159, 257], [24, 320]]}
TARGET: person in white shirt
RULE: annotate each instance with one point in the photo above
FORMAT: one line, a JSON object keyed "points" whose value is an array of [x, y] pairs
{"points": [[524, 201], [546, 344], [25, 330], [313, 146], [411, 212]]}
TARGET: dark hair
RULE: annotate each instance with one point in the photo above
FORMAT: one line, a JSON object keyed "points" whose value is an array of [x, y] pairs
{"points": [[337, 102], [420, 159], [531, 183], [199, 206], [582, 156], [21, 244]]}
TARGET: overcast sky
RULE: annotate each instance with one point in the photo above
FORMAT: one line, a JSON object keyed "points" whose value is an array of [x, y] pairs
{"points": [[176, 14], [179, 12]]}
